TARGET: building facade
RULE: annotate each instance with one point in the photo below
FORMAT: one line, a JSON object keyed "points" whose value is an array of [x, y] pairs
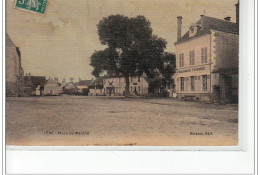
{"points": [[207, 60], [14, 71], [115, 85], [35, 84], [96, 87], [52, 87], [83, 84], [69, 88]]}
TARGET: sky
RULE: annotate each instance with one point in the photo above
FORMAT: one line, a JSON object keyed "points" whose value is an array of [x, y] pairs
{"points": [[60, 43]]}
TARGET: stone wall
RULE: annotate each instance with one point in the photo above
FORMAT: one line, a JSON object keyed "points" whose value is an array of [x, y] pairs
{"points": [[225, 49], [14, 86]]}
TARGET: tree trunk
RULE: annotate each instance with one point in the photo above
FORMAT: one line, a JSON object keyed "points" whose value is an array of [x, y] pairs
{"points": [[127, 93]]}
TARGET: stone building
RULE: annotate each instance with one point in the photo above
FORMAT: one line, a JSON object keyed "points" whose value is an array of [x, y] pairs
{"points": [[52, 87], [96, 87], [83, 84], [115, 85], [14, 71], [69, 88], [35, 84], [207, 60]]}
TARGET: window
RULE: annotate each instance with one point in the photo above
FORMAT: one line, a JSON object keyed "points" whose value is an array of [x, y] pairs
{"points": [[139, 89], [182, 83], [138, 78], [204, 55], [192, 83], [192, 55], [204, 82], [181, 60]]}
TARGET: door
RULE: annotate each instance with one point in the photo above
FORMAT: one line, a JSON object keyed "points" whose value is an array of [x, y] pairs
{"points": [[217, 94]]}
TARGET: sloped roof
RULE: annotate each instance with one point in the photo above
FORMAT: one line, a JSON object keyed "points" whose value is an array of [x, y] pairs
{"points": [[49, 81], [36, 79], [98, 83], [207, 23], [65, 84], [83, 83], [8, 40]]}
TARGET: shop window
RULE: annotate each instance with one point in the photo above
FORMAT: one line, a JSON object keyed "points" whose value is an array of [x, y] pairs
{"points": [[204, 82], [182, 83], [204, 55], [192, 57], [192, 83], [181, 57]]}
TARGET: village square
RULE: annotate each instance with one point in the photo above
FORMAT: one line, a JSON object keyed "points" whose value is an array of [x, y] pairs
{"points": [[139, 93]]}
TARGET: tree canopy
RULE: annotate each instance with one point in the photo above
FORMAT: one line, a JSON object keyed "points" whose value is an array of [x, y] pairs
{"points": [[132, 49]]}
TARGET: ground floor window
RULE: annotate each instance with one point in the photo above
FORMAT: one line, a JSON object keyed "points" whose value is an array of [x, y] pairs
{"points": [[192, 83], [182, 83], [204, 82]]}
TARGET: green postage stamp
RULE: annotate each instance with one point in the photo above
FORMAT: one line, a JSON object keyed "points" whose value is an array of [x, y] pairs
{"points": [[36, 6]]}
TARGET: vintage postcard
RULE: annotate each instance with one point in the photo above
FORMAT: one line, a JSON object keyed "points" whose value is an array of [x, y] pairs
{"points": [[122, 72]]}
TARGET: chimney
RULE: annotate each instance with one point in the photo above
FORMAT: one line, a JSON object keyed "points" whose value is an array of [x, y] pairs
{"points": [[237, 16], [201, 20], [227, 18], [179, 23]]}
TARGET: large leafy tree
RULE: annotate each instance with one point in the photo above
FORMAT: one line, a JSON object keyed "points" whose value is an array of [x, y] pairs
{"points": [[132, 49], [169, 68], [163, 80]]}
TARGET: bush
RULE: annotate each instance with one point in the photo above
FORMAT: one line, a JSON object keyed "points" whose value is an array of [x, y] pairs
{"points": [[85, 91]]}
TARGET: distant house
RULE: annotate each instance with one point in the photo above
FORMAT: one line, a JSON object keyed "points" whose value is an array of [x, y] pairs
{"points": [[83, 84], [14, 71], [36, 83], [115, 85], [96, 87], [52, 87], [69, 88]]}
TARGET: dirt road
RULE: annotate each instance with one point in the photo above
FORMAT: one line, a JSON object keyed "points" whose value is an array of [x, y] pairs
{"points": [[82, 120]]}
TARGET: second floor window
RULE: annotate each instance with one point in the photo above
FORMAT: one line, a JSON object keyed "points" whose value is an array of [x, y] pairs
{"points": [[204, 55], [181, 57], [192, 57]]}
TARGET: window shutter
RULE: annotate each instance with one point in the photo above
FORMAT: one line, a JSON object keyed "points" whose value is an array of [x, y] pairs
{"points": [[205, 54]]}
